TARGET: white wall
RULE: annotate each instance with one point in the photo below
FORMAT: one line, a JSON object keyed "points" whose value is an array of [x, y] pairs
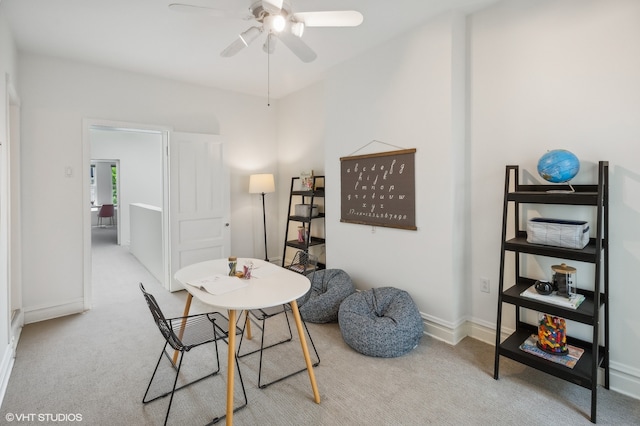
{"points": [[405, 93], [539, 75], [8, 225], [146, 237], [57, 95], [560, 74], [542, 74], [140, 169], [301, 137]]}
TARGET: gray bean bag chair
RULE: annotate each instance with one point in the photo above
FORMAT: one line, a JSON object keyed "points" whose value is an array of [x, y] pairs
{"points": [[329, 287], [381, 322]]}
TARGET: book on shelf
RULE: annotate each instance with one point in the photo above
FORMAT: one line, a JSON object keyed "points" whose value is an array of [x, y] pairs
{"points": [[569, 360], [554, 298], [306, 180]]}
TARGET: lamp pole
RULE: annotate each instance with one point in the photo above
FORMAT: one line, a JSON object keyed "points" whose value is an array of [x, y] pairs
{"points": [[264, 221], [262, 184]]}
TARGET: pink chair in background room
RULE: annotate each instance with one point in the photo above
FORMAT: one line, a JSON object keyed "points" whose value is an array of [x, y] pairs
{"points": [[106, 210]]}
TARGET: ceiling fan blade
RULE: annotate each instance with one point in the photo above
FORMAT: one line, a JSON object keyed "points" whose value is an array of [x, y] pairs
{"points": [[244, 39], [233, 48], [272, 6], [203, 10], [339, 18], [298, 47]]}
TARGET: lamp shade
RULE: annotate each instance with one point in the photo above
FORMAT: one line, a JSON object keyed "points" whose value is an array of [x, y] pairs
{"points": [[261, 183]]}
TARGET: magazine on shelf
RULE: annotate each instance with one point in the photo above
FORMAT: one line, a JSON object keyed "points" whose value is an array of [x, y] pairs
{"points": [[554, 298], [568, 360]]}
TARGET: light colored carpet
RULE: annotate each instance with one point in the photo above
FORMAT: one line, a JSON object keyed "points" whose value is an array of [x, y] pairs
{"points": [[98, 364]]}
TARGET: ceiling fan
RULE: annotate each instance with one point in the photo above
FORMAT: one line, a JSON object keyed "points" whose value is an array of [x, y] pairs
{"points": [[276, 19]]}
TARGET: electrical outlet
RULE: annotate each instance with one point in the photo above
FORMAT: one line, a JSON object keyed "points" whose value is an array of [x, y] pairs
{"points": [[485, 285]]}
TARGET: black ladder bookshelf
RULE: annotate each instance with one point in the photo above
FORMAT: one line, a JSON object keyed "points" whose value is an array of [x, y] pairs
{"points": [[312, 235], [596, 353]]}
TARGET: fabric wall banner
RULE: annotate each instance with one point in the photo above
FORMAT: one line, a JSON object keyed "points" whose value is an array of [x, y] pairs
{"points": [[379, 189]]}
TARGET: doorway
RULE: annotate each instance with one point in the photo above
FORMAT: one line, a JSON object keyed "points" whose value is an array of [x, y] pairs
{"points": [[195, 224], [104, 183], [128, 159]]}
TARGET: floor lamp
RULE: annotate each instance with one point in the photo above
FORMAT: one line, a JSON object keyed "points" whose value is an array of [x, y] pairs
{"points": [[262, 184]]}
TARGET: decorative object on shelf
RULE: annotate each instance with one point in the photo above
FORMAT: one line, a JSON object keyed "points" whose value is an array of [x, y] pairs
{"points": [[306, 210], [564, 279], [544, 288], [558, 232], [306, 180], [552, 335], [558, 166], [262, 184]]}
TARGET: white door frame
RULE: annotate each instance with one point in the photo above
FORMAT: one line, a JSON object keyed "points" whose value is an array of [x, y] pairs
{"points": [[10, 215], [87, 124]]}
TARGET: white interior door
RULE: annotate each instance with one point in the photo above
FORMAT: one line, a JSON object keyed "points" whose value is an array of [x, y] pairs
{"points": [[198, 200]]}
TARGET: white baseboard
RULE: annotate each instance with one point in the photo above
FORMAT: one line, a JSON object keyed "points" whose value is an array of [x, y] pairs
{"points": [[42, 313], [623, 379], [451, 333], [6, 365]]}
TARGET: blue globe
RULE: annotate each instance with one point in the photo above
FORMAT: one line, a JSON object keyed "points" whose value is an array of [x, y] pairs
{"points": [[558, 166]]}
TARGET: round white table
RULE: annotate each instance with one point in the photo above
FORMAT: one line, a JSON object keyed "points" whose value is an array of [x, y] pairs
{"points": [[269, 285]]}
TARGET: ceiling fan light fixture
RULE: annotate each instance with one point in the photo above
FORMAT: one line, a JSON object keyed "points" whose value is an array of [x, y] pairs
{"points": [[297, 29], [269, 45], [274, 23]]}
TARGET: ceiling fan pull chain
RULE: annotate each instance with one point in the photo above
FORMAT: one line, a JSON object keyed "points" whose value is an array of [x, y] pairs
{"points": [[268, 71]]}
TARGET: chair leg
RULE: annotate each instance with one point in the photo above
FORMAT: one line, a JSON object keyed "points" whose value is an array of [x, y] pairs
{"points": [[144, 398], [315, 364], [262, 386], [173, 391], [176, 367], [175, 381], [263, 320], [244, 395]]}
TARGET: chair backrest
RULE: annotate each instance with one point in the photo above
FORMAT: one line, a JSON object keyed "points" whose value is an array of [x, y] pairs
{"points": [[303, 262], [161, 321], [106, 210]]}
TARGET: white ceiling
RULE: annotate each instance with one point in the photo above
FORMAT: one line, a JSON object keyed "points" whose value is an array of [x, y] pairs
{"points": [[146, 36]]}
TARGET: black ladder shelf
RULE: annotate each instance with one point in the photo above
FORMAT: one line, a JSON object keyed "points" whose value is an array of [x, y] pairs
{"points": [[596, 353], [312, 236]]}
